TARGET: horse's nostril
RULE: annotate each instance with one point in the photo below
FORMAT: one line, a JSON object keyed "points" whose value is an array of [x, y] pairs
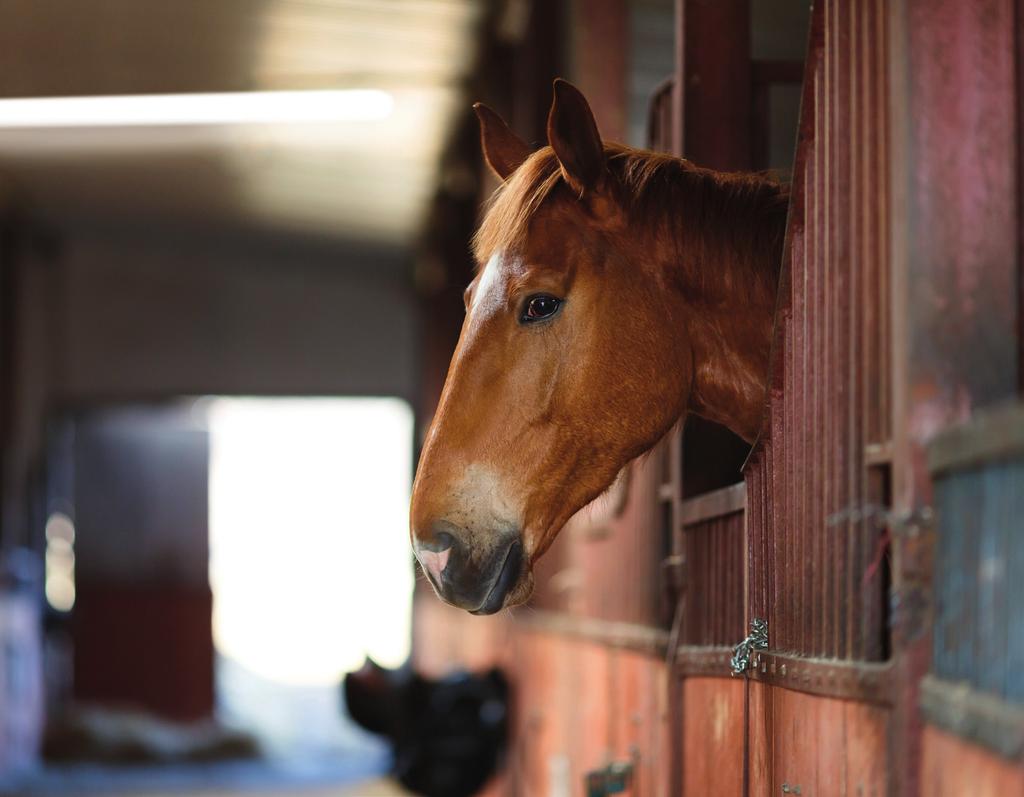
{"points": [[474, 577], [435, 553], [435, 562]]}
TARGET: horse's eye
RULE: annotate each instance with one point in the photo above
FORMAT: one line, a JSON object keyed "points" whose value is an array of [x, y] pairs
{"points": [[539, 307]]}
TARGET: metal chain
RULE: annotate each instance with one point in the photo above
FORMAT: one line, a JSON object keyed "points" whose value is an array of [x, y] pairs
{"points": [[757, 640]]}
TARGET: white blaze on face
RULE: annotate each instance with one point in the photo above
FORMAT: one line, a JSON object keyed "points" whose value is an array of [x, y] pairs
{"points": [[488, 294]]}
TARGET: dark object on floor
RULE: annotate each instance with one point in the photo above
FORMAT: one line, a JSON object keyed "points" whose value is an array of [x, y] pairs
{"points": [[448, 735], [116, 736]]}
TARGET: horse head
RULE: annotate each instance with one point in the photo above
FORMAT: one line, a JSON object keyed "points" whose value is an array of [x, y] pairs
{"points": [[577, 354]]}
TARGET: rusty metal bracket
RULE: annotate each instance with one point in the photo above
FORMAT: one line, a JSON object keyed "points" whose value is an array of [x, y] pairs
{"points": [[757, 639]]}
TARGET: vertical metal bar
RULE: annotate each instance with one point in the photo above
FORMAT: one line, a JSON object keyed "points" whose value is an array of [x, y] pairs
{"points": [[793, 422], [797, 433], [765, 510], [839, 533], [720, 576], [812, 567], [714, 620], [856, 331], [828, 271], [882, 204], [770, 532], [723, 528], [755, 563]]}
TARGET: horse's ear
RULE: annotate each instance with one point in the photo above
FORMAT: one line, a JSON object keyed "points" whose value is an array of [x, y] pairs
{"points": [[573, 135], [503, 150]]}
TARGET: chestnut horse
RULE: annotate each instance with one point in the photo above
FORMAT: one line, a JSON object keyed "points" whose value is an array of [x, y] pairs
{"points": [[616, 291]]}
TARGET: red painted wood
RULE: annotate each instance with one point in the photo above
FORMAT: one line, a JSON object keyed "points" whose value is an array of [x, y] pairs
{"points": [[951, 767], [885, 301], [713, 746], [601, 47], [957, 235], [821, 745], [716, 81], [714, 551], [142, 646], [812, 544]]}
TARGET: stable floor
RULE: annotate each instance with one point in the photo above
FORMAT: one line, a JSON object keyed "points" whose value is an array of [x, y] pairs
{"points": [[258, 778]]}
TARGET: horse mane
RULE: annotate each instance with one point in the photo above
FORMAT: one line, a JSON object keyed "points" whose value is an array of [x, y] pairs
{"points": [[706, 215]]}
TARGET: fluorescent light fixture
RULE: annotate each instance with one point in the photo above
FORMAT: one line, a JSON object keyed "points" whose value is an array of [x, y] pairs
{"points": [[234, 108]]}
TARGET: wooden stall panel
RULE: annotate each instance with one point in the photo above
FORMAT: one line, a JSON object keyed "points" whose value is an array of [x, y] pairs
{"points": [[588, 691], [713, 744], [973, 699], [446, 638], [978, 472], [639, 720], [539, 755], [614, 560], [820, 745], [817, 482], [579, 706], [951, 768], [714, 544]]}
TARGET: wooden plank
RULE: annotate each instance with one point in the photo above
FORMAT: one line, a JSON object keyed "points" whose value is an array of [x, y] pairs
{"points": [[988, 437], [643, 639], [962, 159], [951, 767], [716, 84], [713, 719], [820, 746], [637, 718], [714, 504], [588, 693], [760, 738], [866, 741], [979, 718]]}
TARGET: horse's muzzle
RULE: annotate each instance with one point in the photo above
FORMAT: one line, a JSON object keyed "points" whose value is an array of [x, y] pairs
{"points": [[465, 578]]}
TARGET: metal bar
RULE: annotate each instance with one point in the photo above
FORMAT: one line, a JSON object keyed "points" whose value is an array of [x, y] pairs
{"points": [[828, 271], [845, 680], [810, 567], [857, 329], [768, 472], [867, 682]]}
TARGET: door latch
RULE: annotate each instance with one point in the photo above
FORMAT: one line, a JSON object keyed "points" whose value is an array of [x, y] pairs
{"points": [[614, 778], [756, 640]]}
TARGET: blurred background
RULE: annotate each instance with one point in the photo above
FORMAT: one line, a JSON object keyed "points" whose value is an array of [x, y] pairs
{"points": [[233, 241], [234, 237]]}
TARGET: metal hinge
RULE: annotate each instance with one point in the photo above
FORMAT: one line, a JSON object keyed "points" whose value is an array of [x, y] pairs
{"points": [[614, 778], [756, 640]]}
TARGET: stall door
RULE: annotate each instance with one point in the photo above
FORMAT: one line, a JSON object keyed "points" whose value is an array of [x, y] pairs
{"points": [[794, 560], [141, 622], [818, 572]]}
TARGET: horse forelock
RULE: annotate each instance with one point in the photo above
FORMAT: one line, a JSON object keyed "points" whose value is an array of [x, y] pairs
{"points": [[508, 212], [652, 191]]}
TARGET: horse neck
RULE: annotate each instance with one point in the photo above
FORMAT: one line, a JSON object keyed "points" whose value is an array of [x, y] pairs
{"points": [[730, 231]]}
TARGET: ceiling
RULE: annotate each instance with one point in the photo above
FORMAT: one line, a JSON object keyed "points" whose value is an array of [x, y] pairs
{"points": [[366, 180]]}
